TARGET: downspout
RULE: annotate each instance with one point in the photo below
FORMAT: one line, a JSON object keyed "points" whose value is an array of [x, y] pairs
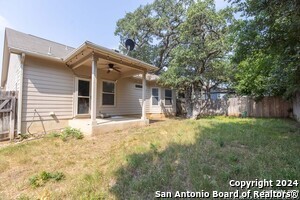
{"points": [[20, 95]]}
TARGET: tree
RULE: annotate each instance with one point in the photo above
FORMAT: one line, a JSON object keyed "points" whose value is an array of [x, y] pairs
{"points": [[155, 30], [186, 39], [267, 47], [199, 61]]}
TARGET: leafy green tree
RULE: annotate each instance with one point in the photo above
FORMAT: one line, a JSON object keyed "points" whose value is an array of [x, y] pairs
{"points": [[199, 62], [155, 30], [185, 38], [267, 47]]}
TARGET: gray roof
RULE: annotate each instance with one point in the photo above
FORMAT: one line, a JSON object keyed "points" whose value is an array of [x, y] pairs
{"points": [[18, 42], [27, 42]]}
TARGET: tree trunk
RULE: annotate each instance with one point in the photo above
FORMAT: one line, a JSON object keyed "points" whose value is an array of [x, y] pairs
{"points": [[192, 102], [188, 102], [196, 102]]}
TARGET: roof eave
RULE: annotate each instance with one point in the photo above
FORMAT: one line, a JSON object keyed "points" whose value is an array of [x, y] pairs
{"points": [[35, 54], [6, 56], [106, 51]]}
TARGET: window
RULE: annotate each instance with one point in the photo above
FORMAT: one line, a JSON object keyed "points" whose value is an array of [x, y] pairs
{"points": [[155, 96], [83, 100], [168, 97], [108, 93], [138, 86]]}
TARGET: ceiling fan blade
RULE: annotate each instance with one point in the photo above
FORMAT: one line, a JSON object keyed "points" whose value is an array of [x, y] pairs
{"points": [[116, 69]]}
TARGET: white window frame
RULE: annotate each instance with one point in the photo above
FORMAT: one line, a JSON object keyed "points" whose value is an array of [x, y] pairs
{"points": [[137, 87], [115, 93], [168, 97], [153, 96], [77, 79]]}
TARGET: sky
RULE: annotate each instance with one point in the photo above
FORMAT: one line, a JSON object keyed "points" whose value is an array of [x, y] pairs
{"points": [[70, 22]]}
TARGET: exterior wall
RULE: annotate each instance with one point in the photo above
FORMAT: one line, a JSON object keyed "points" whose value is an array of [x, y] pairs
{"points": [[13, 77], [161, 108], [47, 87], [50, 87], [168, 109], [296, 107], [128, 98]]}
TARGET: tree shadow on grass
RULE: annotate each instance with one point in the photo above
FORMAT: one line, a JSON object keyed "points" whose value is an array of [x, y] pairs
{"points": [[220, 152]]}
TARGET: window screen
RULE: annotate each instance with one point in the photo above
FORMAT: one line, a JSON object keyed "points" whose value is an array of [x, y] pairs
{"points": [[155, 96], [108, 93], [168, 97]]}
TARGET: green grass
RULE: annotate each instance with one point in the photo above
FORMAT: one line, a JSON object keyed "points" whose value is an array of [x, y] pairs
{"points": [[42, 178], [166, 156], [66, 134]]}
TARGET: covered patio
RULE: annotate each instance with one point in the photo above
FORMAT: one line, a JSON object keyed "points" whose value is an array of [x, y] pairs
{"points": [[90, 63]]}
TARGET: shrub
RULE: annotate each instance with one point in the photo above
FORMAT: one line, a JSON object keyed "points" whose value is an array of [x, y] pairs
{"points": [[43, 177], [69, 132], [66, 133]]}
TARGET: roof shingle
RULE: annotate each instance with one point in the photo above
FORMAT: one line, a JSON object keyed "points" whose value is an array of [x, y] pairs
{"points": [[27, 42]]}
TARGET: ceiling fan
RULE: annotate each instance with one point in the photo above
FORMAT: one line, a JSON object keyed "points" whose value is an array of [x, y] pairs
{"points": [[112, 67]]}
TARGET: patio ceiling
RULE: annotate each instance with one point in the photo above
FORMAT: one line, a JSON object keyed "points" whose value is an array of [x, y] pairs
{"points": [[84, 61], [82, 57]]}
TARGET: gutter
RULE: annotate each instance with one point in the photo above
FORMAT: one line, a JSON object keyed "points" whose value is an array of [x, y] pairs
{"points": [[20, 94], [30, 53]]}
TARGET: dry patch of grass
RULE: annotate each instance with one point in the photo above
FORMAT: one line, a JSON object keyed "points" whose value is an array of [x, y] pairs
{"points": [[166, 156]]}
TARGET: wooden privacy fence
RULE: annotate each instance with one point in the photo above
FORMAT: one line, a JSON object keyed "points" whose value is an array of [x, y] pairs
{"points": [[242, 106], [207, 108], [8, 114], [267, 107]]}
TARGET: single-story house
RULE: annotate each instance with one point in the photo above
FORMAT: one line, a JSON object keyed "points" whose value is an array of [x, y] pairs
{"points": [[61, 86]]}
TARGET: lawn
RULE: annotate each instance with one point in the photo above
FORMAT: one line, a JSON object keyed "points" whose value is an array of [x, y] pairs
{"points": [[165, 156]]}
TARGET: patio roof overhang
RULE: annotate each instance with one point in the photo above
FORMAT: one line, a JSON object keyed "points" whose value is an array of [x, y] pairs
{"points": [[85, 51]]}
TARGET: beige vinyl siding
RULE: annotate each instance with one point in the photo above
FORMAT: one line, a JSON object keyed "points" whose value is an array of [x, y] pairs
{"points": [[168, 108], [13, 77], [148, 96], [47, 87], [128, 98]]}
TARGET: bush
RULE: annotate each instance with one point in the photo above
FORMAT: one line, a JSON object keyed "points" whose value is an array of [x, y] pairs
{"points": [[43, 177], [69, 132]]}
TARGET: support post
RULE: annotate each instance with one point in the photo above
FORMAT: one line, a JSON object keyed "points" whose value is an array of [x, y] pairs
{"points": [[144, 97], [94, 90], [20, 95]]}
